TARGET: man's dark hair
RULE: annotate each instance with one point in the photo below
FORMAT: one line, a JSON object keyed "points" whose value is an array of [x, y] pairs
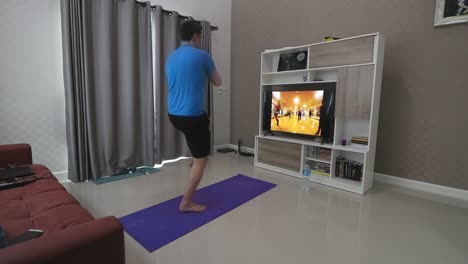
{"points": [[189, 29]]}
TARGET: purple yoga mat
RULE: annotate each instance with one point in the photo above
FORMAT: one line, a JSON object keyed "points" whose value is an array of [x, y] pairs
{"points": [[157, 226]]}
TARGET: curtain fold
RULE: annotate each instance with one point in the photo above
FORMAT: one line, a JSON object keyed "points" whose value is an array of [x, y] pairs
{"points": [[108, 85], [169, 143], [206, 46], [114, 55]]}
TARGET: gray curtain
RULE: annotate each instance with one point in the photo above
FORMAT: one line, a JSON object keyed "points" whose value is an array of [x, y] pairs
{"points": [[169, 143], [108, 86], [206, 46]]}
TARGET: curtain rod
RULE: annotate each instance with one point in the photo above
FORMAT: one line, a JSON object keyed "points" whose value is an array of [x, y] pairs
{"points": [[170, 13]]}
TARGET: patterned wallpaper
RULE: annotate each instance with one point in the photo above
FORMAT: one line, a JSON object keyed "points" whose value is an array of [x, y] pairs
{"points": [[32, 105], [423, 124]]}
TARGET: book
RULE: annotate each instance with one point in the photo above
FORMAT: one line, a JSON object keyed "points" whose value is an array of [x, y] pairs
{"points": [[348, 169], [349, 174], [359, 143], [360, 140], [320, 173], [339, 167]]}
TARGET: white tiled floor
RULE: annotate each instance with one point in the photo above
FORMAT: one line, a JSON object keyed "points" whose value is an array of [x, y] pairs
{"points": [[287, 225]]}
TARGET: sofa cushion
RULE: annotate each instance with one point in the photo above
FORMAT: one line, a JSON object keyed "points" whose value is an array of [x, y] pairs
{"points": [[14, 209], [61, 217], [43, 204], [45, 201]]}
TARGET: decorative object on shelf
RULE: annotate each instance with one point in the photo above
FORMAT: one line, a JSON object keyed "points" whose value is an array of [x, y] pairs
{"points": [[360, 141], [293, 61], [328, 39], [343, 142], [319, 168], [450, 12], [348, 169], [319, 153]]}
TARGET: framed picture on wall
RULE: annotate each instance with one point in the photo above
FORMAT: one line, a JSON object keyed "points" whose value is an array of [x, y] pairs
{"points": [[451, 12]]}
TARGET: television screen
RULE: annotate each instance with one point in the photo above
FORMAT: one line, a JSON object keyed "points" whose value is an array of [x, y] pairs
{"points": [[297, 112]]}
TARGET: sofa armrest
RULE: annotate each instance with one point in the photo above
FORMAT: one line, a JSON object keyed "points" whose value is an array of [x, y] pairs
{"points": [[98, 241], [18, 154]]}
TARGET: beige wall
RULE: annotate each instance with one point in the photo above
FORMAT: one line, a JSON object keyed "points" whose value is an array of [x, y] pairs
{"points": [[32, 96], [423, 129]]}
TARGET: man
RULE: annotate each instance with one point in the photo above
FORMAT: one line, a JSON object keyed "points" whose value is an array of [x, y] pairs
{"points": [[319, 113], [277, 112], [186, 72]]}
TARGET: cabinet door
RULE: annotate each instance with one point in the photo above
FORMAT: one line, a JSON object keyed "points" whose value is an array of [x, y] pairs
{"points": [[354, 92], [346, 52], [280, 154]]}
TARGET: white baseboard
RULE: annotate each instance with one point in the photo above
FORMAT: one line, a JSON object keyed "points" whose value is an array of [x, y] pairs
{"points": [[422, 186], [61, 176], [249, 150], [223, 146]]}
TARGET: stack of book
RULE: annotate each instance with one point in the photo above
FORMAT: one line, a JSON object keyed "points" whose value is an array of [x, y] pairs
{"points": [[360, 141], [319, 153], [348, 169], [319, 168]]}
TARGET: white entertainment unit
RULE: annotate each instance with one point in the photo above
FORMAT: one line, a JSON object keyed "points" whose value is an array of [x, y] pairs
{"points": [[355, 65]]}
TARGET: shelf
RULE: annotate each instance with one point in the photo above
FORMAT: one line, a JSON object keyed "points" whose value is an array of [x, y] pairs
{"points": [[347, 182], [316, 69], [352, 148], [277, 169], [305, 47], [313, 82], [299, 141], [285, 50], [289, 83], [319, 178], [318, 160], [285, 72], [318, 144], [339, 67]]}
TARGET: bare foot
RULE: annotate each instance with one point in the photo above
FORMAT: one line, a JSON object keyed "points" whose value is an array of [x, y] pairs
{"points": [[192, 207]]}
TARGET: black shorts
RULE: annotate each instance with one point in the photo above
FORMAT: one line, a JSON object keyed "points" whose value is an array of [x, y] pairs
{"points": [[197, 133]]}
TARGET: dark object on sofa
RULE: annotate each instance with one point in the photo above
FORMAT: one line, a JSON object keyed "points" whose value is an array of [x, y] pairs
{"points": [[3, 240], [71, 234], [26, 236], [12, 173]]}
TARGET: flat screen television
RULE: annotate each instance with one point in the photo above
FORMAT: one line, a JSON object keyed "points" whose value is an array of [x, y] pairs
{"points": [[301, 110]]}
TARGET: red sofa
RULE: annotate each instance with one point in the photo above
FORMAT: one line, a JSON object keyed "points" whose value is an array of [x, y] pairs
{"points": [[71, 234]]}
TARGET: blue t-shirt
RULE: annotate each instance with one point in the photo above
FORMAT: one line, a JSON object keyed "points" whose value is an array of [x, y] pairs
{"points": [[187, 70]]}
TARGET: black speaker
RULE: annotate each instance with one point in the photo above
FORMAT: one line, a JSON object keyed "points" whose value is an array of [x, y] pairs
{"points": [[267, 97], [327, 114]]}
